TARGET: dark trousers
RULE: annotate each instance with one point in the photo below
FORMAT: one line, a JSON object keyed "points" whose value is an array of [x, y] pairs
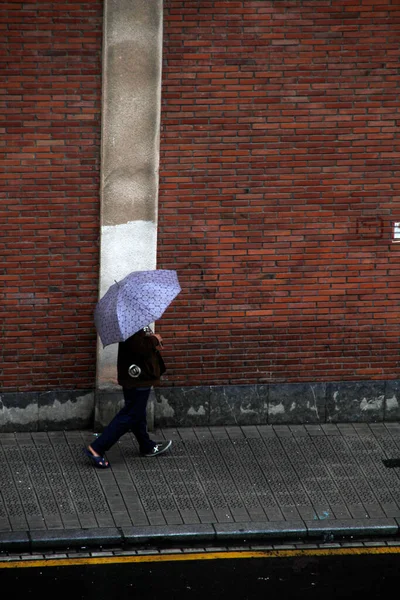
{"points": [[132, 416]]}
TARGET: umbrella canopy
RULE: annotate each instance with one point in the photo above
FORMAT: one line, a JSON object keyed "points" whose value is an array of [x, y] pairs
{"points": [[133, 303]]}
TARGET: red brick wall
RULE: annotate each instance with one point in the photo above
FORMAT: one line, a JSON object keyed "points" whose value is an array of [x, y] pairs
{"points": [[279, 184], [49, 165]]}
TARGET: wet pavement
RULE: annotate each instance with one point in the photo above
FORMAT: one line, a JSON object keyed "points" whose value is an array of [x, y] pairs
{"points": [[216, 485]]}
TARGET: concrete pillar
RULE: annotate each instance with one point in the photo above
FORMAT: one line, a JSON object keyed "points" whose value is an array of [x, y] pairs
{"points": [[131, 99]]}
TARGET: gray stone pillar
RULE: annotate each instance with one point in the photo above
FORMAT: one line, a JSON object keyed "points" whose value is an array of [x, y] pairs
{"points": [[131, 99]]}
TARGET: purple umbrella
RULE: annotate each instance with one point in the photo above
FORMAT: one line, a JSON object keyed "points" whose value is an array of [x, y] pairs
{"points": [[133, 303]]}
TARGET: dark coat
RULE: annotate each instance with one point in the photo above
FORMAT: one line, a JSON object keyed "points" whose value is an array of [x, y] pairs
{"points": [[140, 350]]}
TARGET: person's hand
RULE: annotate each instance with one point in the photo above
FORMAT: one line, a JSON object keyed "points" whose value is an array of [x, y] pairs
{"points": [[159, 338]]}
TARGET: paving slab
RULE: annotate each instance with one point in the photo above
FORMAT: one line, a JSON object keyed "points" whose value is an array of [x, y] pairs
{"points": [[229, 484]]}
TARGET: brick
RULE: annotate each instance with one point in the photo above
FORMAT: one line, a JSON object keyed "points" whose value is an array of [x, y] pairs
{"points": [[49, 160], [305, 143], [278, 139]]}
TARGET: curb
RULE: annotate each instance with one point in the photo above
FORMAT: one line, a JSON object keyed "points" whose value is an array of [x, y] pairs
{"points": [[187, 535]]}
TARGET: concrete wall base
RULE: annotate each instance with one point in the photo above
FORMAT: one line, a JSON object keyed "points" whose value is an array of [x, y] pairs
{"points": [[269, 404], [46, 411], [280, 403]]}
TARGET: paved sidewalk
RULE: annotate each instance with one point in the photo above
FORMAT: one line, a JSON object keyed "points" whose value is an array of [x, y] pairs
{"points": [[218, 485]]}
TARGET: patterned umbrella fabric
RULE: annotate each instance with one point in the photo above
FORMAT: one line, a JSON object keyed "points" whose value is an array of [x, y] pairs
{"points": [[133, 303]]}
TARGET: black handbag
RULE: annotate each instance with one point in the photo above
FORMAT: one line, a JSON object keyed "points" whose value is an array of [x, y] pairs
{"points": [[147, 368]]}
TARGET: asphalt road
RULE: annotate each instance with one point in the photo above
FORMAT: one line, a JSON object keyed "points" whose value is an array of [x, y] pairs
{"points": [[233, 575]]}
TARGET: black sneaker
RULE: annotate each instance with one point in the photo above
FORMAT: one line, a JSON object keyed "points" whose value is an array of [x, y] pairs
{"points": [[159, 448]]}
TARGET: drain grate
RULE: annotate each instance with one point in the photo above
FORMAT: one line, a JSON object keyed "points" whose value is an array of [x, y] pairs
{"points": [[391, 463]]}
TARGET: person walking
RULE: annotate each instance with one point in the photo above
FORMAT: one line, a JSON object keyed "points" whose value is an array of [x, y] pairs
{"points": [[139, 367]]}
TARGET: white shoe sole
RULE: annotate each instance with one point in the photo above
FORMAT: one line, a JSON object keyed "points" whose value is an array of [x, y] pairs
{"points": [[169, 444]]}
